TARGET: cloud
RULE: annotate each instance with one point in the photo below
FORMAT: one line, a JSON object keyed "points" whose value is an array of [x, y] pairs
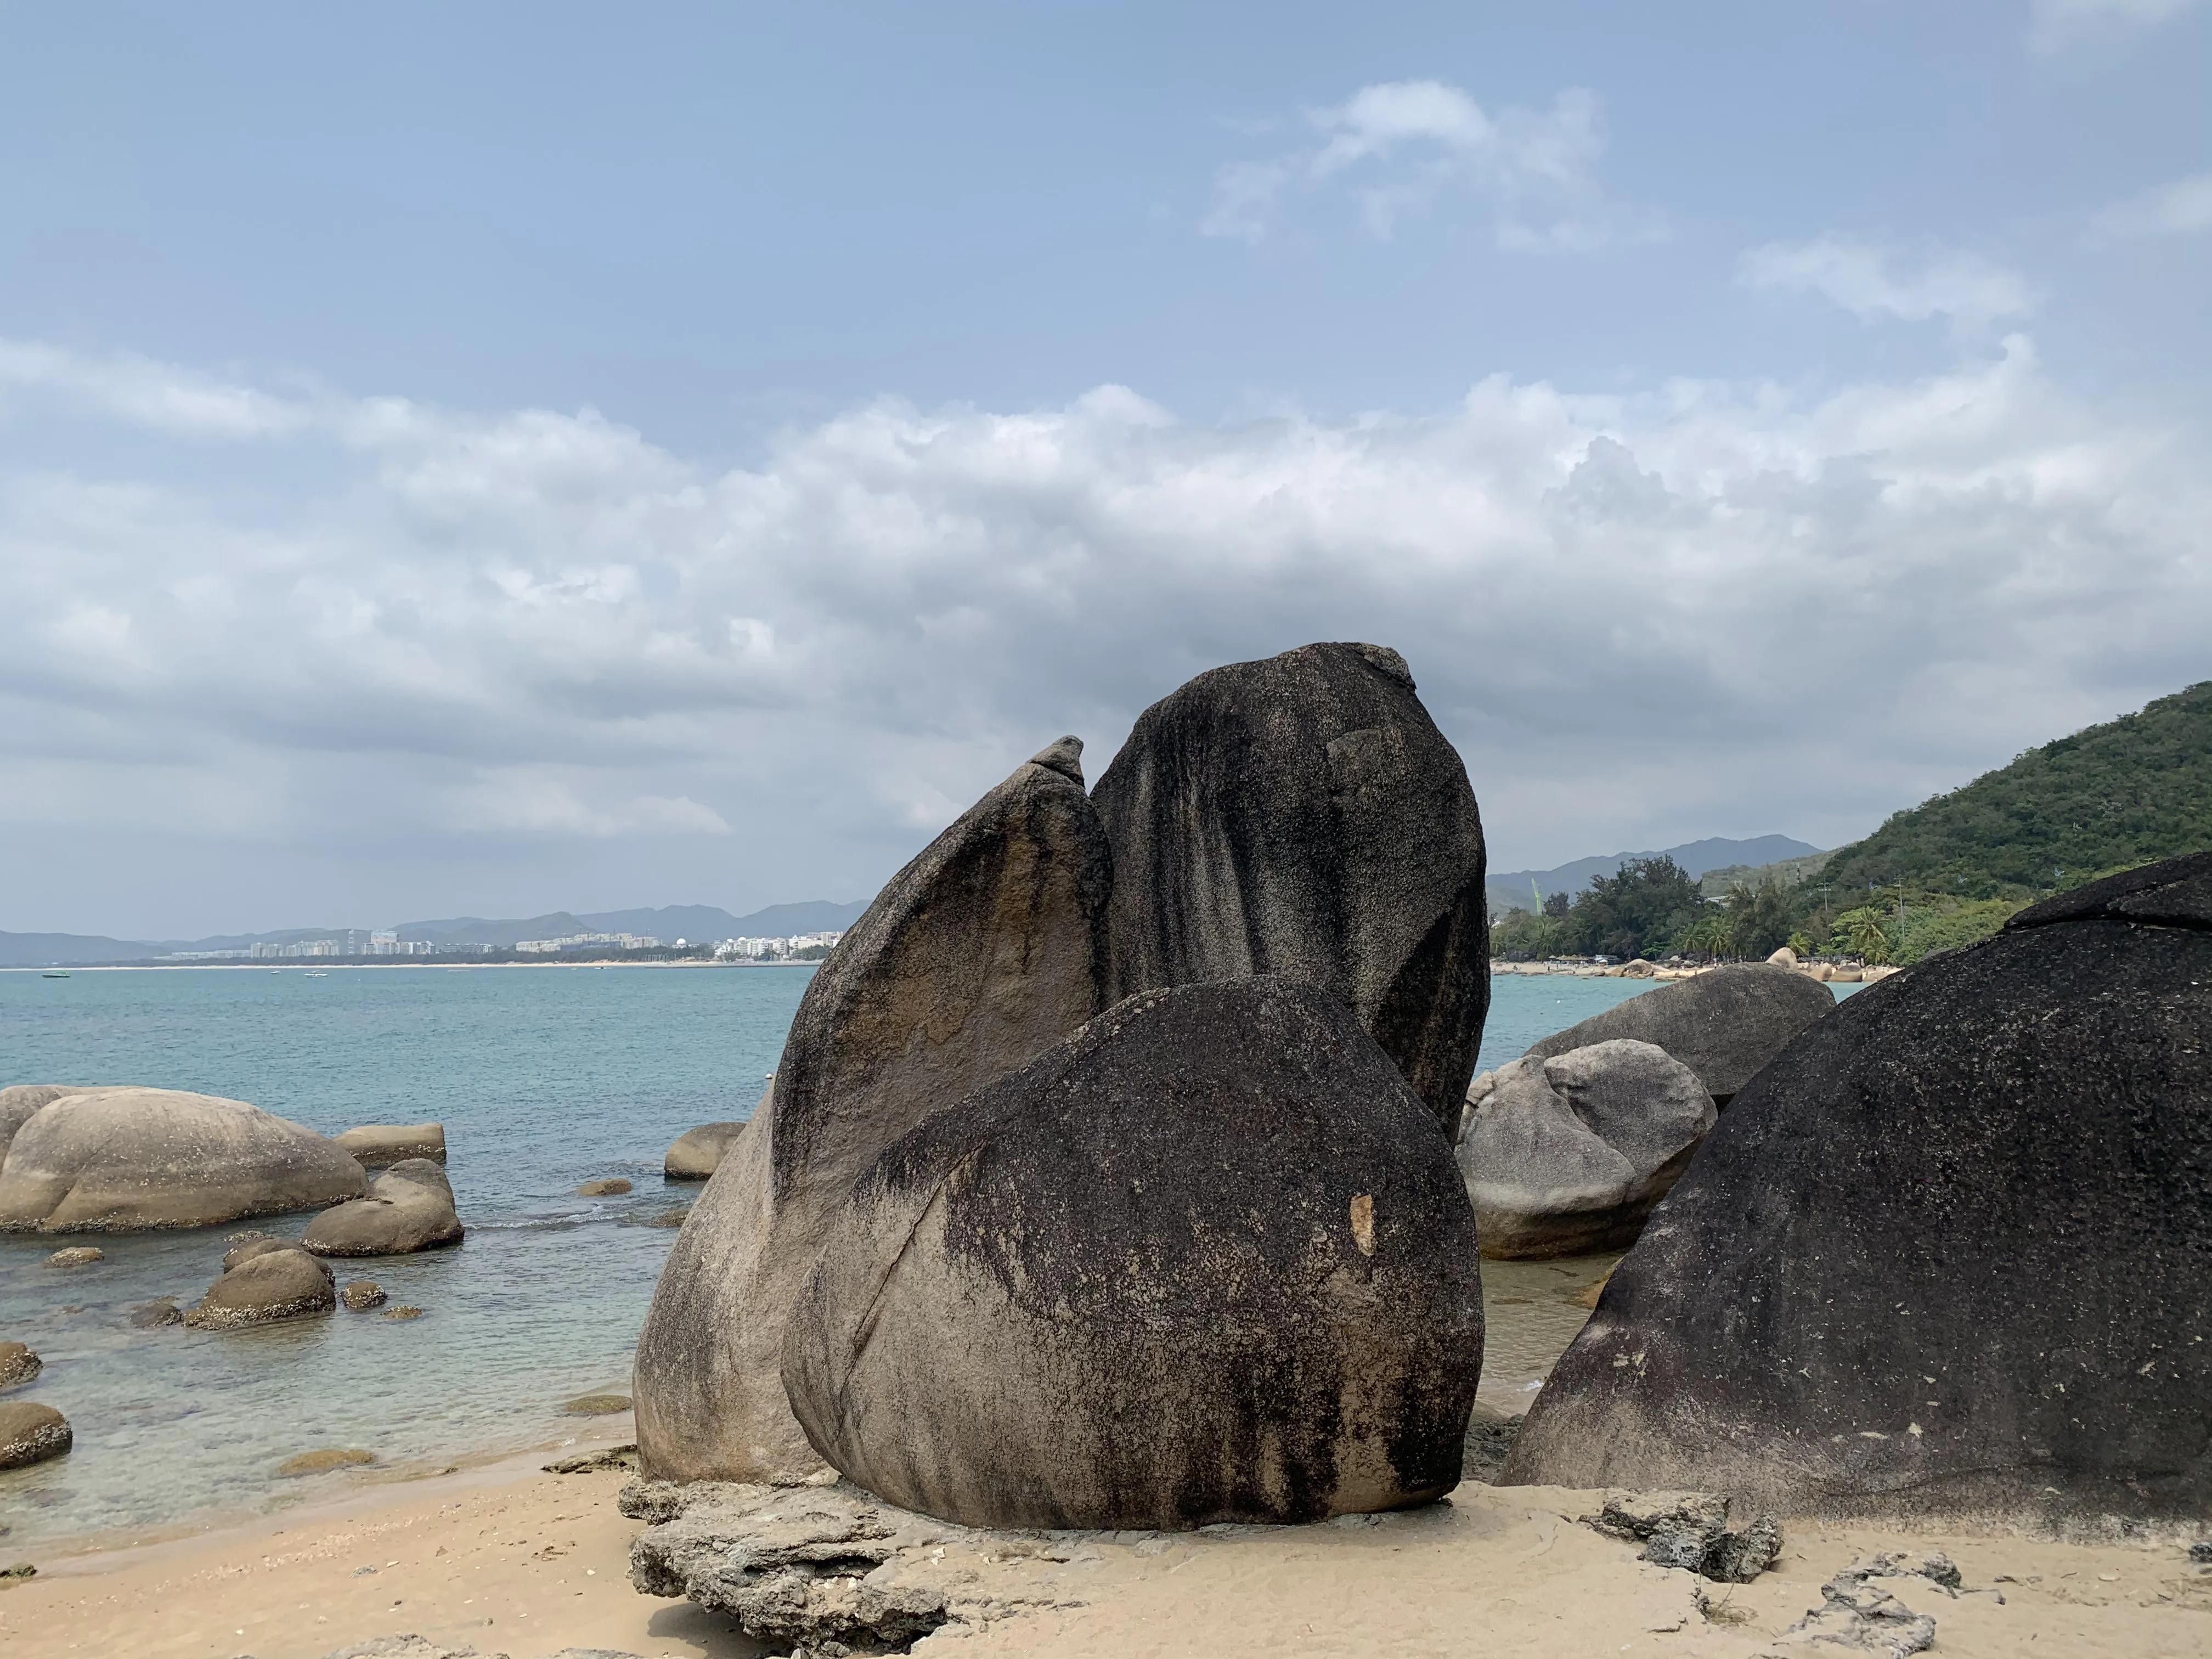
{"points": [[2179, 208], [1713, 608], [1869, 280], [2055, 25], [1400, 148]]}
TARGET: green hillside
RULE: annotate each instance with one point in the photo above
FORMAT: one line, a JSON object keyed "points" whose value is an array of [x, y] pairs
{"points": [[2108, 798]]}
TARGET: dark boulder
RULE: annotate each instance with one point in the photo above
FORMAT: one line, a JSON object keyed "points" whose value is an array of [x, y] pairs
{"points": [[1566, 1156], [1206, 1261], [410, 1207], [1724, 1026], [697, 1153], [985, 950], [1303, 817], [1949, 1253]]}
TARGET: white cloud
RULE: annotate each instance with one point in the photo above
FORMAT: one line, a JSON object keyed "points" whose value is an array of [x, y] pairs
{"points": [[2179, 209], [1401, 147], [2055, 25], [1715, 608], [1870, 280]]}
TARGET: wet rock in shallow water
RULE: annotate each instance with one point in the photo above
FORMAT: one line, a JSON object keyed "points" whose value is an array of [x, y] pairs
{"points": [[379, 1145], [698, 1152], [809, 1567], [410, 1207], [611, 1187], [17, 1571], [280, 1283], [320, 1463], [249, 1245], [1295, 1312], [613, 1457], [1569, 1155], [987, 949], [18, 1364], [119, 1160], [595, 1404], [1691, 1530], [403, 1311], [31, 1433], [153, 1316], [1724, 1026], [78, 1255], [361, 1294], [1303, 817], [2030, 1115]]}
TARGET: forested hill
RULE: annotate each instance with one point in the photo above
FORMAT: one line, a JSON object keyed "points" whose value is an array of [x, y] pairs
{"points": [[2137, 789]]}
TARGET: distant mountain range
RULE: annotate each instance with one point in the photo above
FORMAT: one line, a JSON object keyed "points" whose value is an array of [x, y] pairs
{"points": [[1525, 890], [670, 921]]}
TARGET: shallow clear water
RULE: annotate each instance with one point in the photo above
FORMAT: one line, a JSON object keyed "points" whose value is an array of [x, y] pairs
{"points": [[544, 1077]]}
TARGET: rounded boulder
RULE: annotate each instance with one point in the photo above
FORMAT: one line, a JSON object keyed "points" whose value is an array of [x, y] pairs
{"points": [[379, 1145], [132, 1159], [1950, 1253], [1566, 1156], [280, 1283], [1206, 1261], [31, 1433], [1724, 1026], [697, 1153], [18, 1364], [410, 1207]]}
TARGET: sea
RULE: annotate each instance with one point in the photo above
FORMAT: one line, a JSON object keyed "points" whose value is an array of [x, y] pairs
{"points": [[546, 1078]]}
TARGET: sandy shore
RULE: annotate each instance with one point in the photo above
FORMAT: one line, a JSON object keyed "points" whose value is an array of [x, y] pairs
{"points": [[514, 1561]]}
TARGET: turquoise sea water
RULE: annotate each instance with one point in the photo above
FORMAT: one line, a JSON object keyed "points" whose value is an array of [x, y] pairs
{"points": [[544, 1077]]}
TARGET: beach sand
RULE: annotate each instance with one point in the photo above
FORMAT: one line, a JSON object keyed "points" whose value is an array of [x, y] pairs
{"points": [[514, 1561]]}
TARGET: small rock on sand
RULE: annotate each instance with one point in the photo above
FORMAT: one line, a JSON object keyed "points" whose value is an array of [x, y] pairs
{"points": [[613, 1187], [19, 1570], [18, 1364], [595, 1404], [331, 1457], [31, 1433], [78, 1255], [362, 1294], [612, 1457]]}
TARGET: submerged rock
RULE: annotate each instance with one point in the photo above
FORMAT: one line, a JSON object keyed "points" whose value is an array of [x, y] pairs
{"points": [[1302, 816], [2025, 1124], [320, 1462], [18, 1364], [361, 1294], [595, 1404], [402, 1311], [1292, 1311], [410, 1208], [1567, 1156], [606, 1186], [280, 1283], [1724, 1026], [987, 949], [699, 1153], [592, 1462], [132, 1159], [79, 1255], [378, 1145], [153, 1316], [31, 1433]]}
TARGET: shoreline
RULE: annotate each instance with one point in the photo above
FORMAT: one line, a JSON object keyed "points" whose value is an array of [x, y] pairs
{"points": [[302, 965]]}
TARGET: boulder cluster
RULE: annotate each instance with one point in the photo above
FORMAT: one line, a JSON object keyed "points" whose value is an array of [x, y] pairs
{"points": [[1106, 1178]]}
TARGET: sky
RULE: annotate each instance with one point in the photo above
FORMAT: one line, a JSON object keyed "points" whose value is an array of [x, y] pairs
{"points": [[496, 459]]}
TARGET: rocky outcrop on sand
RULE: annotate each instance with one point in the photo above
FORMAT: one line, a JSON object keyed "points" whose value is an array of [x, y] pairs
{"points": [[410, 1207], [829, 1569], [1857, 1614], [1691, 1530], [1724, 1026], [1566, 1156], [131, 1159], [284, 1283], [984, 951], [1295, 1314], [379, 1145], [31, 1433], [1946, 1254], [18, 1364], [1303, 817], [697, 1153]]}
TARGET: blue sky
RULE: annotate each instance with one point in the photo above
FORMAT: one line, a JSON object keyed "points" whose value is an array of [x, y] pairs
{"points": [[498, 459]]}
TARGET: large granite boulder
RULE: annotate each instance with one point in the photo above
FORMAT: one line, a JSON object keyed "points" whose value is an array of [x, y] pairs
{"points": [[1724, 1026], [280, 1283], [1949, 1253], [31, 1433], [410, 1207], [1206, 1261], [128, 1159], [987, 949], [697, 1153], [1304, 817], [1566, 1156], [379, 1145], [19, 1101]]}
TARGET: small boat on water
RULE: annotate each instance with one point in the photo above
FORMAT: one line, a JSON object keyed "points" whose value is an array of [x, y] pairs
{"points": [[56, 973]]}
